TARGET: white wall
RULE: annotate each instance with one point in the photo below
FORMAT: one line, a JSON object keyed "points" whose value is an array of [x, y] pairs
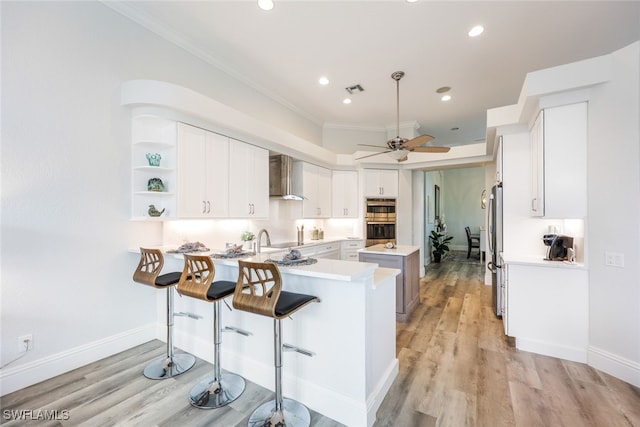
{"points": [[613, 222], [461, 196], [66, 273]]}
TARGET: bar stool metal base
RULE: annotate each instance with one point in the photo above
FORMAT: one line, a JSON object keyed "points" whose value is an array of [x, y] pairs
{"points": [[167, 367], [211, 393], [293, 414]]}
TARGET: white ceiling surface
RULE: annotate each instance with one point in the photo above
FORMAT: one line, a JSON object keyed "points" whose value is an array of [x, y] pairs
{"points": [[283, 52]]}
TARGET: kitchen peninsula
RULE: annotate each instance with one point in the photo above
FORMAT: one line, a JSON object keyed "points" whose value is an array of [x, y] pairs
{"points": [[407, 260], [351, 333]]}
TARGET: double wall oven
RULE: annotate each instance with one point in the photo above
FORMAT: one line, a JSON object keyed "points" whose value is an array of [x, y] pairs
{"points": [[381, 221]]}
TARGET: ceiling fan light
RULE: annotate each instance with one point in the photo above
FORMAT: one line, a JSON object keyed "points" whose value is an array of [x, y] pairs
{"points": [[265, 4], [398, 154]]}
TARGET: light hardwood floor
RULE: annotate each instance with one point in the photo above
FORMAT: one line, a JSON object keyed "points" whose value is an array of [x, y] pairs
{"points": [[456, 369]]}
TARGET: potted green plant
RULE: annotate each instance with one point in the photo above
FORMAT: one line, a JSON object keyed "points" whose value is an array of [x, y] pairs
{"points": [[439, 244], [248, 237]]}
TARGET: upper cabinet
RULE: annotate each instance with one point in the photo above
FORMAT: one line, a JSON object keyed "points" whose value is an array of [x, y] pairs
{"points": [[316, 188], [154, 167], [344, 194], [203, 166], [248, 181], [559, 162], [380, 183]]}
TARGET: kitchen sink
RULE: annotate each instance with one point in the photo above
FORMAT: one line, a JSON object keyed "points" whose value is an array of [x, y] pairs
{"points": [[285, 245]]}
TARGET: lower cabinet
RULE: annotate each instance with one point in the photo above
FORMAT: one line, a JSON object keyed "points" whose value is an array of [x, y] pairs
{"points": [[349, 249], [547, 309], [407, 282]]}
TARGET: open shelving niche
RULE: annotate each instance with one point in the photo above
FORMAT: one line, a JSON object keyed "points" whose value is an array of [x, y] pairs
{"points": [[153, 134]]}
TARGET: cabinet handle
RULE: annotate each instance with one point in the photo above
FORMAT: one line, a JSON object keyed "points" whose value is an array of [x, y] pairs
{"points": [[204, 206], [533, 204], [208, 206]]}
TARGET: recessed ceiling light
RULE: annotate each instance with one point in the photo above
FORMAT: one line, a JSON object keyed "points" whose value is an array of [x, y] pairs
{"points": [[265, 4], [476, 31], [346, 101], [445, 98], [323, 81], [411, 1]]}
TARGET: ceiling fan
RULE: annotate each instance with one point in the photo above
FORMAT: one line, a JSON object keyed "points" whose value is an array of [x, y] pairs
{"points": [[399, 148]]}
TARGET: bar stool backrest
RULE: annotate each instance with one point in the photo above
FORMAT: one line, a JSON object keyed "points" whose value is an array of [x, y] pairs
{"points": [[149, 267], [197, 276], [258, 288]]}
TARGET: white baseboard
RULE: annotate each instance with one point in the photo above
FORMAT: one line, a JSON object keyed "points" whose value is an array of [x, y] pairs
{"points": [[21, 376], [620, 367], [575, 354]]}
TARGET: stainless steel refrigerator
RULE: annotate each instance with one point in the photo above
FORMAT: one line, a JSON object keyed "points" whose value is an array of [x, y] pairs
{"points": [[494, 214]]}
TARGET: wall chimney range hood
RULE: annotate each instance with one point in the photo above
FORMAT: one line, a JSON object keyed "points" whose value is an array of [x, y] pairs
{"points": [[285, 177]]}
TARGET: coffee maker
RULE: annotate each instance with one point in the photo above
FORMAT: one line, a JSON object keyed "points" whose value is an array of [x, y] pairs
{"points": [[560, 247]]}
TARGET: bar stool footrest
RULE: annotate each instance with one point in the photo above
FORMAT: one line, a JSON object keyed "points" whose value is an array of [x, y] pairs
{"points": [[237, 330], [292, 414], [166, 367], [211, 393], [289, 347]]}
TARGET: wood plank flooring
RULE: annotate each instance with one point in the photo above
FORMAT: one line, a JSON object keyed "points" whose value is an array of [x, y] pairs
{"points": [[456, 369]]}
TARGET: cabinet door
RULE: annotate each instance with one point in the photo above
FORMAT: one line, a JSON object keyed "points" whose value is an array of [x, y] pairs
{"points": [[216, 166], [192, 201], [248, 181], [259, 187], [565, 161], [536, 139], [380, 183], [203, 173], [344, 194], [316, 188]]}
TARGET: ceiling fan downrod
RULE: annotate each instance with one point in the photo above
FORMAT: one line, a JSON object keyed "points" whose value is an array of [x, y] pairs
{"points": [[397, 75]]}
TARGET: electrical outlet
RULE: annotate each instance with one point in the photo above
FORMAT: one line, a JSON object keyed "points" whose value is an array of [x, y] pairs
{"points": [[25, 343], [614, 259]]}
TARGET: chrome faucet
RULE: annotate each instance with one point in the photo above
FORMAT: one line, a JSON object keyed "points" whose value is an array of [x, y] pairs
{"points": [[260, 238]]}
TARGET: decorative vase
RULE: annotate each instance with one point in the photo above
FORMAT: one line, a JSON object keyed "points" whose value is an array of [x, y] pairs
{"points": [[155, 184], [154, 159]]}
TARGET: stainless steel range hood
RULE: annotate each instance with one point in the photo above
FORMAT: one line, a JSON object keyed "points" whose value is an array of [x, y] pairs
{"points": [[285, 177]]}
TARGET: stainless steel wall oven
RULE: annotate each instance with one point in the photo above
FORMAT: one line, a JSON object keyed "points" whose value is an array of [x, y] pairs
{"points": [[381, 221]]}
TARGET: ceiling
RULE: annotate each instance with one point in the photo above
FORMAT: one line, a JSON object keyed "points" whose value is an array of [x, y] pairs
{"points": [[283, 52]]}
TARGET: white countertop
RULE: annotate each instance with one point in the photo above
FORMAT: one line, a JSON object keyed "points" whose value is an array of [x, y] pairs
{"points": [[400, 250], [332, 269], [539, 261]]}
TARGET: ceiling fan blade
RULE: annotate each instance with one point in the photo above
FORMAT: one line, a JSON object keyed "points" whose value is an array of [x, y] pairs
{"points": [[418, 140], [371, 155], [376, 146], [431, 149]]}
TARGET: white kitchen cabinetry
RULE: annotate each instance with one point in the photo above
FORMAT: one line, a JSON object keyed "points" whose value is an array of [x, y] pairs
{"points": [[203, 159], [349, 249], [248, 181], [153, 135], [380, 183], [559, 162], [321, 250], [546, 308], [316, 189], [344, 194]]}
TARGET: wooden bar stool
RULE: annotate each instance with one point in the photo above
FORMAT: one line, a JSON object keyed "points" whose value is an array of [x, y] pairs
{"points": [[148, 273], [197, 282], [259, 291]]}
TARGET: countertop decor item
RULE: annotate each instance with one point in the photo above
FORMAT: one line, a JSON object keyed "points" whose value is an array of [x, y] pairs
{"points": [[154, 159], [189, 247], [155, 184], [155, 212]]}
